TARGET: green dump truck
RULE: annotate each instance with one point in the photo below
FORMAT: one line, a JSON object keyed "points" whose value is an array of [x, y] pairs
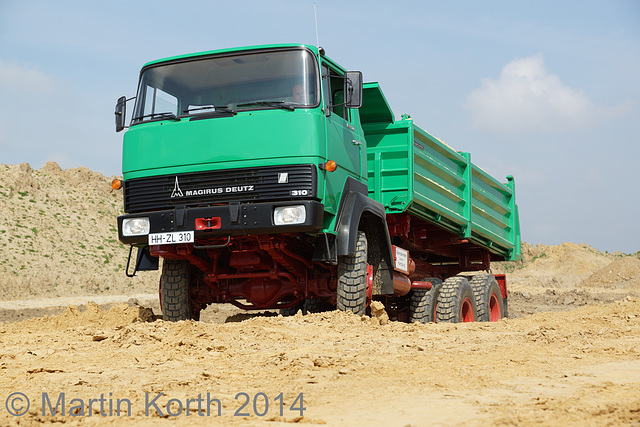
{"points": [[270, 177]]}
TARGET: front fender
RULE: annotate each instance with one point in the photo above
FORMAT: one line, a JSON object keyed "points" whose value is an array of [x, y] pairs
{"points": [[359, 212]]}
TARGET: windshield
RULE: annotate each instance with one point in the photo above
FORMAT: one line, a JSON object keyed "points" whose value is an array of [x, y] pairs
{"points": [[228, 83]]}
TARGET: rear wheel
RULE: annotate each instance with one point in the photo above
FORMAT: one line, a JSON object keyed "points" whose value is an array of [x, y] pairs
{"points": [[174, 290], [352, 279], [456, 302], [488, 298], [424, 302]]}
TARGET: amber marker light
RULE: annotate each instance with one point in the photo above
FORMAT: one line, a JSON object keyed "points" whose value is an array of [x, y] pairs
{"points": [[329, 166], [116, 184]]}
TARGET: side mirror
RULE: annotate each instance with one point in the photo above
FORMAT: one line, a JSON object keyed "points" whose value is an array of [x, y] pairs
{"points": [[353, 89], [121, 113]]}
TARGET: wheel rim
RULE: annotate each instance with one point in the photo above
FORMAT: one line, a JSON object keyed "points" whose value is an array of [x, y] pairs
{"points": [[494, 308], [369, 284], [466, 311], [435, 311]]}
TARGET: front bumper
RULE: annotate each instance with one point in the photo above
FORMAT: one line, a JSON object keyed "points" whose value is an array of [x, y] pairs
{"points": [[231, 220]]}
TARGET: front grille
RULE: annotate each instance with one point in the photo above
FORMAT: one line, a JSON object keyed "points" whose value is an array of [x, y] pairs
{"points": [[291, 182]]}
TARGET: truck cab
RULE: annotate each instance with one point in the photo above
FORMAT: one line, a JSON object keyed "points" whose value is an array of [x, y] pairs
{"points": [[240, 147]]}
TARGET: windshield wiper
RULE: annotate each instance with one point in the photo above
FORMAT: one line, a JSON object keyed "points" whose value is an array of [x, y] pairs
{"points": [[164, 116], [278, 104], [222, 108]]}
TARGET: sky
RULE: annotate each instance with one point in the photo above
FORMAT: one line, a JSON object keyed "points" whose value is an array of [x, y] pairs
{"points": [[546, 91]]}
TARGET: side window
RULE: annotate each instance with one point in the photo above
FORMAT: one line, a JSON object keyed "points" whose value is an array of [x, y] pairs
{"points": [[333, 87], [159, 101]]}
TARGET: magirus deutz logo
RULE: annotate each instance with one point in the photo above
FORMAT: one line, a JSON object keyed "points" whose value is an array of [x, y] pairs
{"points": [[177, 191]]}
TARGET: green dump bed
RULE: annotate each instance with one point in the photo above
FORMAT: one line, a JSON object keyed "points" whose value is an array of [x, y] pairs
{"points": [[411, 171]]}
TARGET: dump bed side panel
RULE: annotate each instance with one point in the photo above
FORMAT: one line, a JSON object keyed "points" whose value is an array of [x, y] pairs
{"points": [[410, 170]]}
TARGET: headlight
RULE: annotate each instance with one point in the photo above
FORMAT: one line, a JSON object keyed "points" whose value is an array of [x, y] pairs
{"points": [[289, 215], [135, 226]]}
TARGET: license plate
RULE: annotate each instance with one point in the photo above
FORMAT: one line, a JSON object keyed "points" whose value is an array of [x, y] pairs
{"points": [[171, 238]]}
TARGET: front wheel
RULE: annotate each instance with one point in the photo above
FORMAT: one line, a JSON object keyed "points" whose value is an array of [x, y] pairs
{"points": [[175, 301], [456, 302], [352, 279]]}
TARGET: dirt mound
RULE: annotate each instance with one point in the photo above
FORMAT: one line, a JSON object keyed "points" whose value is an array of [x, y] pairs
{"points": [[19, 178], [566, 266], [58, 235], [561, 266], [52, 169], [623, 273], [562, 277], [117, 316]]}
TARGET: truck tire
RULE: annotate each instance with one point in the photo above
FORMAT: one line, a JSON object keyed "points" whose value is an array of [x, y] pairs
{"points": [[313, 306], [352, 279], [423, 302], [456, 302], [307, 307], [290, 311], [174, 290], [488, 298]]}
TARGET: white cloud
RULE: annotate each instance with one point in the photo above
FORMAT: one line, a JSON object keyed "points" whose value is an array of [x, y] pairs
{"points": [[526, 97], [21, 78]]}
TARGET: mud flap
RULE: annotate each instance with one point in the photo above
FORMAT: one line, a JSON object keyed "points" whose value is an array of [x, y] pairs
{"points": [[144, 261]]}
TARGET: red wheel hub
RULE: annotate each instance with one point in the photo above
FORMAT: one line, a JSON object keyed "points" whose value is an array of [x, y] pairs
{"points": [[494, 308], [466, 311], [369, 284]]}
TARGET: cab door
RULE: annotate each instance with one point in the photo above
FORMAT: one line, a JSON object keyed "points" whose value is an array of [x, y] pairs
{"points": [[344, 144]]}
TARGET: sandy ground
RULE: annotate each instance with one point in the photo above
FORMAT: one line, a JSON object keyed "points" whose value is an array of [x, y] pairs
{"points": [[579, 367], [569, 354]]}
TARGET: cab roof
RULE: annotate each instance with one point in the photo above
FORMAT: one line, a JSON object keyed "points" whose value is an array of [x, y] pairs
{"points": [[314, 49]]}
